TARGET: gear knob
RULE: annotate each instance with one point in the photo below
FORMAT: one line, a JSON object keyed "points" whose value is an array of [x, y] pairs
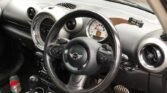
{"points": [[33, 78], [121, 89], [33, 82]]}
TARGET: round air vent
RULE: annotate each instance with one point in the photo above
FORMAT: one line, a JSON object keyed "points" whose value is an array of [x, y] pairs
{"points": [[31, 12], [152, 55]]}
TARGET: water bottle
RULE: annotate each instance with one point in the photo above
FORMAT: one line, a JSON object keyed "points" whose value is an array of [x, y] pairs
{"points": [[14, 83]]}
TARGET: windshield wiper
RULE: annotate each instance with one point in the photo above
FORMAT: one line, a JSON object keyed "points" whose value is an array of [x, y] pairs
{"points": [[132, 4]]}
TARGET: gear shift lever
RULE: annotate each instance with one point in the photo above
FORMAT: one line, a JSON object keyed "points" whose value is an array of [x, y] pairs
{"points": [[33, 81]]}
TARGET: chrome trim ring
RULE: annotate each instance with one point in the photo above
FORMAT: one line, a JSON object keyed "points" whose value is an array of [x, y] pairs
{"points": [[162, 46], [36, 29], [87, 30], [52, 12]]}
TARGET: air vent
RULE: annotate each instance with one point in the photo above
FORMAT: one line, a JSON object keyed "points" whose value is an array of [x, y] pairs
{"points": [[31, 12], [67, 5], [152, 55]]}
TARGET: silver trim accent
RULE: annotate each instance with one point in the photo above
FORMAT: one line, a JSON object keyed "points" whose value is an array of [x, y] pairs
{"points": [[78, 28], [54, 13], [162, 46], [87, 29], [76, 82], [35, 29]]}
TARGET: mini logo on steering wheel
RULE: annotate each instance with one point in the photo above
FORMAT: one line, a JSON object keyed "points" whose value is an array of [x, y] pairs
{"points": [[75, 56]]}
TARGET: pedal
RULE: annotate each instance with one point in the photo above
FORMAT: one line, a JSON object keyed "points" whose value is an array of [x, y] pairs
{"points": [[120, 89]]}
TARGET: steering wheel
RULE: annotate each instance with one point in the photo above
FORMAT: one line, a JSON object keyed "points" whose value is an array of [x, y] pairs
{"points": [[82, 56]]}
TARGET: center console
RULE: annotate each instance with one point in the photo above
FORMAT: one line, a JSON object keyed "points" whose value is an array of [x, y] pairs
{"points": [[41, 82]]}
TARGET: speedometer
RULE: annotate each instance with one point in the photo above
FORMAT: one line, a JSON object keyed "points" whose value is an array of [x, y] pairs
{"points": [[96, 30]]}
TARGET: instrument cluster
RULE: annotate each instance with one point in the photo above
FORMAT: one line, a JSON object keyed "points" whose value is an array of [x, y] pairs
{"points": [[96, 30], [44, 20]]}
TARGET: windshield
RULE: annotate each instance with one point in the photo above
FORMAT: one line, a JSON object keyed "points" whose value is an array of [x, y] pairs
{"points": [[139, 2], [142, 4]]}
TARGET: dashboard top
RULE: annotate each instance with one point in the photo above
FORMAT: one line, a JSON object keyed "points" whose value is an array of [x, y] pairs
{"points": [[117, 10], [18, 13]]}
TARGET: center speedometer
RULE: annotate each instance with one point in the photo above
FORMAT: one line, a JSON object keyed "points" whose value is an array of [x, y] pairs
{"points": [[96, 30]]}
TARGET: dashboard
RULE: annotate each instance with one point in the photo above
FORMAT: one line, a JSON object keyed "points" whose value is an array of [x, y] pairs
{"points": [[40, 16], [139, 31]]}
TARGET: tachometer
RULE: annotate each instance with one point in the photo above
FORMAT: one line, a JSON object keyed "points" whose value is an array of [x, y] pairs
{"points": [[96, 30]]}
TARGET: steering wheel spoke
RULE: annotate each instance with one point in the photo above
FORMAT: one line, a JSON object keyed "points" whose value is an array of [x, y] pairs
{"points": [[105, 55], [76, 82], [56, 50]]}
